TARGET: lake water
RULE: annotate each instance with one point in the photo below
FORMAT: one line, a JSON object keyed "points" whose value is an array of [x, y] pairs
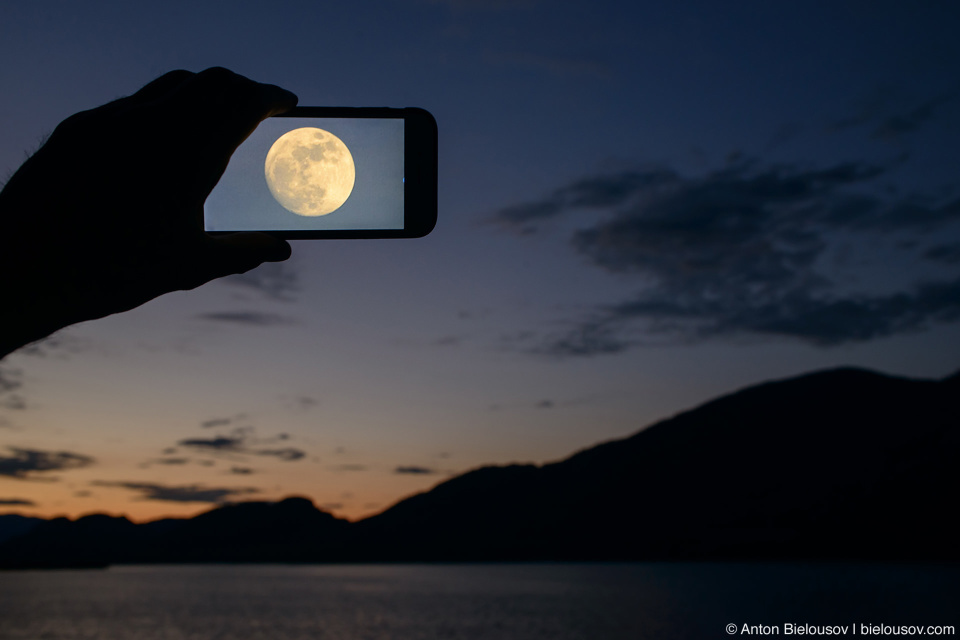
{"points": [[496, 601]]}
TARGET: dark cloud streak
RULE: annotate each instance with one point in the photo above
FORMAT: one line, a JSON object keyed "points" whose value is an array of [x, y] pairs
{"points": [[737, 251], [216, 422], [945, 253], [184, 493], [242, 442], [11, 381], [595, 191], [887, 123], [275, 280], [241, 471], [287, 454], [24, 463], [219, 443], [414, 470], [899, 124]]}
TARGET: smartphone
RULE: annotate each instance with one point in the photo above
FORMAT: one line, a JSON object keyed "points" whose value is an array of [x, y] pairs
{"points": [[332, 172]]}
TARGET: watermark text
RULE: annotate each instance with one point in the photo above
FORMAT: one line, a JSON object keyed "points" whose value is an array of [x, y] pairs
{"points": [[857, 629]]}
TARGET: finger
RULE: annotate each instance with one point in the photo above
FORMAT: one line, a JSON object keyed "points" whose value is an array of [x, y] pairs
{"points": [[227, 107], [204, 259], [162, 86], [262, 246], [215, 111], [231, 254], [153, 90]]}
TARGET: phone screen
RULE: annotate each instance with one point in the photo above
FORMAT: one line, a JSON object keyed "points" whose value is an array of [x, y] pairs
{"points": [[308, 174]]}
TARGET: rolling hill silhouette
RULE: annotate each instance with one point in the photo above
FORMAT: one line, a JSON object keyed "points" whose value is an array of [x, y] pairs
{"points": [[839, 464], [843, 463]]}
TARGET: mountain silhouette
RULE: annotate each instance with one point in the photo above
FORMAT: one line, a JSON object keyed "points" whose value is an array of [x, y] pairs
{"points": [[842, 463], [90, 541], [839, 464], [285, 531], [13, 525]]}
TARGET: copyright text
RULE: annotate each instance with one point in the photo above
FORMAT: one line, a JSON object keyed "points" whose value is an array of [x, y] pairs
{"points": [[858, 629]]}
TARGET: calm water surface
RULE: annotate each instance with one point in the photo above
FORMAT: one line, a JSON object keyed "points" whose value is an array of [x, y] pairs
{"points": [[432, 602]]}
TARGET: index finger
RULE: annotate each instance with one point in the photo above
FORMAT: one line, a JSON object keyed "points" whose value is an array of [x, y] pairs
{"points": [[227, 107], [208, 116]]}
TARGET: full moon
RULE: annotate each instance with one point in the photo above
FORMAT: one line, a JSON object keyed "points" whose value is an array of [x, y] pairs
{"points": [[310, 171]]}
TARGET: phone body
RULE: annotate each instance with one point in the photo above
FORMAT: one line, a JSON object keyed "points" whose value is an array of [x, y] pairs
{"points": [[332, 172]]}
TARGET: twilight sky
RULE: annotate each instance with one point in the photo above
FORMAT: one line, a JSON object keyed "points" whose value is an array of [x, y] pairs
{"points": [[642, 206]]}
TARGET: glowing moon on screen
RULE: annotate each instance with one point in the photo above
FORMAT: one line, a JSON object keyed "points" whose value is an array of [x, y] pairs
{"points": [[310, 171]]}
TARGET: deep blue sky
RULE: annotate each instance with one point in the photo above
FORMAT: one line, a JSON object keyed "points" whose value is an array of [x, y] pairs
{"points": [[642, 205]]}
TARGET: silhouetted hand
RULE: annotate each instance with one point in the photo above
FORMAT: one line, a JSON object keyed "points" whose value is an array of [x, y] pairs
{"points": [[108, 214]]}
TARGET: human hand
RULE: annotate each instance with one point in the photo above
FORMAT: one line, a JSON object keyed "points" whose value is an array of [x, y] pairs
{"points": [[108, 213]]}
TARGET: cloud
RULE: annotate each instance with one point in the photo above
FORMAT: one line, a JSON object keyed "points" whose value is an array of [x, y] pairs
{"points": [[892, 123], [61, 345], [738, 250], [798, 314], [596, 191], [184, 493], [219, 443], [870, 107], [589, 337], [216, 422], [251, 318], [243, 442], [287, 454], [275, 280], [11, 381], [414, 470], [17, 502], [306, 402], [241, 471], [24, 463], [301, 402], [14, 402], [945, 253], [909, 121]]}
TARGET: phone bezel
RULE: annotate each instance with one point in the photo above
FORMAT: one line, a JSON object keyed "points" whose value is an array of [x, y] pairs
{"points": [[420, 172]]}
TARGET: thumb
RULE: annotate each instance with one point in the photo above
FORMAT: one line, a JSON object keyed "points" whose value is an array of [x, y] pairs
{"points": [[231, 254], [254, 244]]}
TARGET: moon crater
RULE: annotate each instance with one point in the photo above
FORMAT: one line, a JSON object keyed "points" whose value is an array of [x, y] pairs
{"points": [[310, 172]]}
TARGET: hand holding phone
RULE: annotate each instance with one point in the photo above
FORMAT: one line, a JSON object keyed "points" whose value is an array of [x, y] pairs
{"points": [[332, 172], [107, 214]]}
